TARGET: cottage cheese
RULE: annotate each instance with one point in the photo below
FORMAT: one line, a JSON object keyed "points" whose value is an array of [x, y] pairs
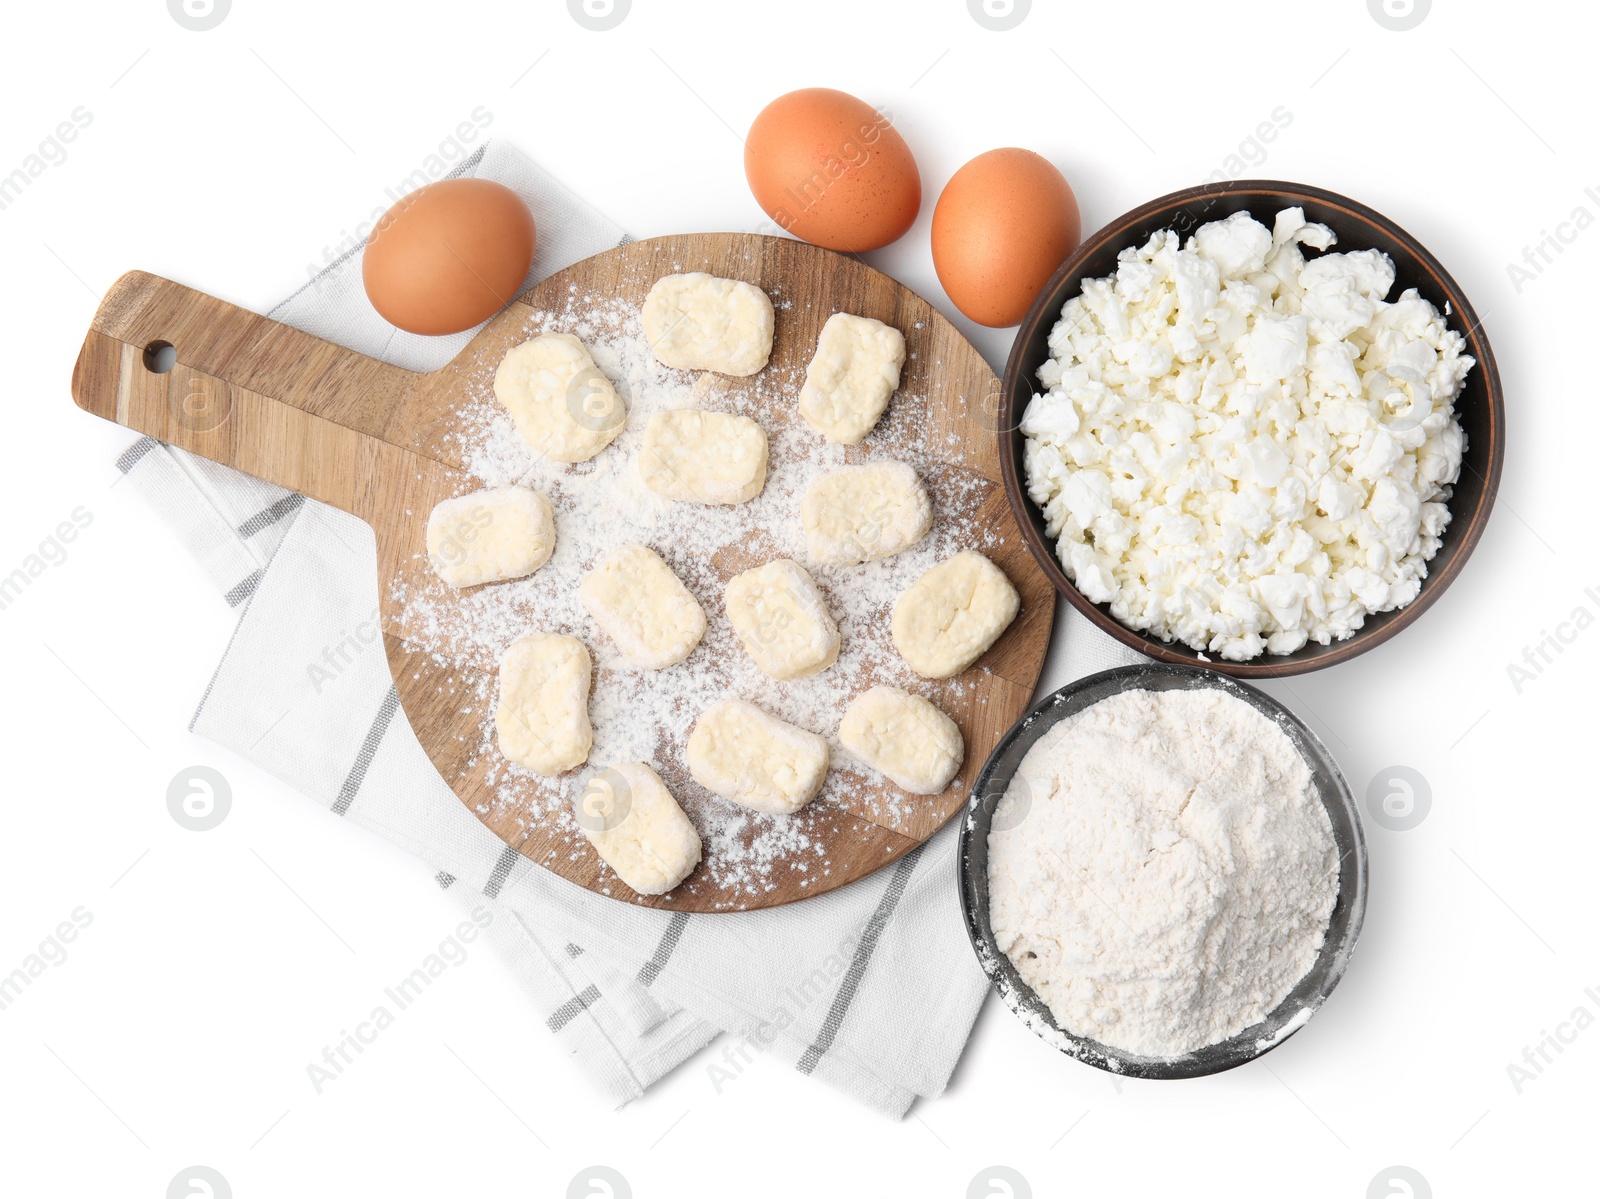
{"points": [[1242, 449]]}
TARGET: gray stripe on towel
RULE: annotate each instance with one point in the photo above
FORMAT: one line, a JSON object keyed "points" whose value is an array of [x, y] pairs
{"points": [[130, 456], [369, 748], [568, 1011], [271, 515], [502, 871], [651, 970], [244, 589], [858, 964]]}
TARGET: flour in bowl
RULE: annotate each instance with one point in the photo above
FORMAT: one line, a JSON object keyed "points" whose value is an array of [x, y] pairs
{"points": [[1161, 870]]}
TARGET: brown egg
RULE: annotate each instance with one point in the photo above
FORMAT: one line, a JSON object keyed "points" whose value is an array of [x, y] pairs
{"points": [[1002, 226], [831, 169], [449, 256]]}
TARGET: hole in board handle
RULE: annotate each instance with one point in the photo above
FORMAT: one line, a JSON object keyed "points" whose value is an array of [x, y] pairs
{"points": [[160, 357]]}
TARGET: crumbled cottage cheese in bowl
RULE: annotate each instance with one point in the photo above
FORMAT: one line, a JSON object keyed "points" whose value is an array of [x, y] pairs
{"points": [[1243, 449]]}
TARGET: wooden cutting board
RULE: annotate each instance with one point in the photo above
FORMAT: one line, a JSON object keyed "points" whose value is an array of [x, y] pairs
{"points": [[383, 444]]}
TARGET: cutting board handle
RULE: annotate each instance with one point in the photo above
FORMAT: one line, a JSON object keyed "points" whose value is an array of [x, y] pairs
{"points": [[248, 392]]}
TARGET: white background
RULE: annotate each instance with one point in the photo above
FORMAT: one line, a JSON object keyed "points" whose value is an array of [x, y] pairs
{"points": [[219, 964]]}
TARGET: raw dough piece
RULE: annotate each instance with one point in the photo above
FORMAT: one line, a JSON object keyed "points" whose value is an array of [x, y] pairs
{"points": [[904, 737], [746, 755], [782, 620], [703, 457], [502, 533], [634, 823], [543, 716], [858, 513], [698, 322], [562, 404], [642, 606], [944, 621], [851, 377]]}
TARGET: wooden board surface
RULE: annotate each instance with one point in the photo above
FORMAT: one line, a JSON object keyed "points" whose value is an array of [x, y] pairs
{"points": [[384, 444]]}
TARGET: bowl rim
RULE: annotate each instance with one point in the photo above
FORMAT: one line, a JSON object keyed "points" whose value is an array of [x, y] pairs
{"points": [[1047, 306], [1294, 1011]]}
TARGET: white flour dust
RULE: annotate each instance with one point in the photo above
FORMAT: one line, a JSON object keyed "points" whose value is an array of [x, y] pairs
{"points": [[1161, 870], [643, 715]]}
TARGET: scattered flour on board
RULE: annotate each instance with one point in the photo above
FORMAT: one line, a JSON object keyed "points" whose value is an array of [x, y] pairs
{"points": [[643, 715]]}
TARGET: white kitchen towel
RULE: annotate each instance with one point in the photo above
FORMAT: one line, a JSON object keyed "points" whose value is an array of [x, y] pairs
{"points": [[873, 987]]}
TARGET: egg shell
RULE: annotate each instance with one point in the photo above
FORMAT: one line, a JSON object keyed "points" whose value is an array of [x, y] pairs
{"points": [[1003, 224], [833, 170], [449, 256]]}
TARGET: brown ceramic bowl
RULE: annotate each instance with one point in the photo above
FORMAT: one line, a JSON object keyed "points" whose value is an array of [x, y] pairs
{"points": [[1479, 407]]}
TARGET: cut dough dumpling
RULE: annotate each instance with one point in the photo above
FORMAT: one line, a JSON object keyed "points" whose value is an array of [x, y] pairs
{"points": [[637, 827], [854, 371], [489, 536], [903, 737], [703, 457], [543, 715], [782, 620], [858, 513], [643, 607], [562, 404], [699, 322], [744, 754], [945, 621]]}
